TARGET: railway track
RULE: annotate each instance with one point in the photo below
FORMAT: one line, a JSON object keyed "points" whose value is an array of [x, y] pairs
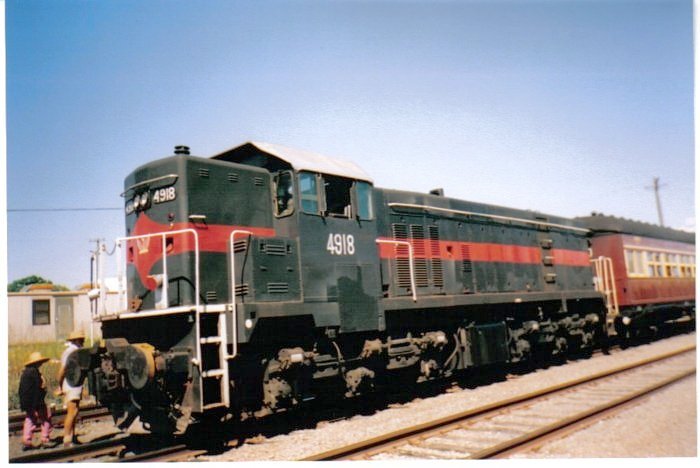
{"points": [[16, 420], [121, 448], [494, 430], [504, 427], [91, 451]]}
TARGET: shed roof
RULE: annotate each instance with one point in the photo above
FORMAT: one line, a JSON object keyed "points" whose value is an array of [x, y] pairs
{"points": [[300, 160]]}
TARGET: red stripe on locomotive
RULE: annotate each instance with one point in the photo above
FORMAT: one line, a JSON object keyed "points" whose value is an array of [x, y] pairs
{"points": [[480, 252], [144, 253]]}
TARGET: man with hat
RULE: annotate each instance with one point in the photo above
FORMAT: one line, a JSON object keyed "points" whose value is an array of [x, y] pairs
{"points": [[32, 391], [71, 394]]}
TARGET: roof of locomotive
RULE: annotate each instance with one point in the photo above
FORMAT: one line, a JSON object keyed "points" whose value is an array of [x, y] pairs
{"points": [[600, 223], [274, 157], [401, 200]]}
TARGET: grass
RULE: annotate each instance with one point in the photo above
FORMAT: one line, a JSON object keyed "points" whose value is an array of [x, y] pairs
{"points": [[18, 354]]}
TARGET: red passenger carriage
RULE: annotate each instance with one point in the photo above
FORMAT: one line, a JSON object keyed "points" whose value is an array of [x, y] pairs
{"points": [[654, 271]]}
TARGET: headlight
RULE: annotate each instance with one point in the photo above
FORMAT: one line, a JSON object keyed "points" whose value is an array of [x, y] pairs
{"points": [[144, 200]]}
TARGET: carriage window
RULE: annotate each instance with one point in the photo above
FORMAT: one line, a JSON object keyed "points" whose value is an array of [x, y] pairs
{"points": [[284, 193], [308, 191], [337, 191], [364, 200]]}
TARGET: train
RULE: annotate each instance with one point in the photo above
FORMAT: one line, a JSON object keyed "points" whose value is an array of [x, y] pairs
{"points": [[265, 277]]}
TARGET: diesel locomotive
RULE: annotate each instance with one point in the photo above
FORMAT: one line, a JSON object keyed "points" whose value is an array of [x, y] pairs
{"points": [[265, 277]]}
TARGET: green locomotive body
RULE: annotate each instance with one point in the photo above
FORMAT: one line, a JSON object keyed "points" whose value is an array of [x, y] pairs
{"points": [[265, 277]]}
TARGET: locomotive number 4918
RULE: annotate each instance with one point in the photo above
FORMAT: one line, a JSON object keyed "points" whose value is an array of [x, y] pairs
{"points": [[341, 244], [164, 195]]}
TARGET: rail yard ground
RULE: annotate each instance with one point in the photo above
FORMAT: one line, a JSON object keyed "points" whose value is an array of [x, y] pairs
{"points": [[661, 425], [671, 432]]}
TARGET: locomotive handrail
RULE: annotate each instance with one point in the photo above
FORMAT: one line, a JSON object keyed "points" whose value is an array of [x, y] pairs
{"points": [[234, 311], [410, 262], [485, 215], [164, 283], [605, 284]]}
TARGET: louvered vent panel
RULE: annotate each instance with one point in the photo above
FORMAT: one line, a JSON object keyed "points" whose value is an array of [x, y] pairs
{"points": [[275, 249], [232, 177], [466, 259], [202, 172], [403, 272], [210, 296], [242, 289], [240, 245], [277, 288], [420, 263], [258, 181], [435, 260]]}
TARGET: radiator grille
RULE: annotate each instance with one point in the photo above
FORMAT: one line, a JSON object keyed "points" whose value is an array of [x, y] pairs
{"points": [[466, 259], [403, 272], [420, 263], [435, 261]]}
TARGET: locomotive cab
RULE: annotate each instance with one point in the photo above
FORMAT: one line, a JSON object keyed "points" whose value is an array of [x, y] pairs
{"points": [[325, 206]]}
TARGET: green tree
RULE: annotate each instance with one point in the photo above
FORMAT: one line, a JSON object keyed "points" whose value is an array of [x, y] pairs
{"points": [[17, 285]]}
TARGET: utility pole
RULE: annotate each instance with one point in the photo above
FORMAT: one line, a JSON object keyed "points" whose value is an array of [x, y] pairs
{"points": [[656, 188]]}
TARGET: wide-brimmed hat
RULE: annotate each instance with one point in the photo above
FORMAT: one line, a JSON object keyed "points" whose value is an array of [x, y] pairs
{"points": [[76, 335], [36, 358]]}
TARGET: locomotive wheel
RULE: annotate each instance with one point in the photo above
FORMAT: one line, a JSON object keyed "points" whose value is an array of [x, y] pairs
{"points": [[141, 366], [74, 374]]}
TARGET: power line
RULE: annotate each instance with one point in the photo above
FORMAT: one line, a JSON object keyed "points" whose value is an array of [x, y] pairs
{"points": [[61, 209]]}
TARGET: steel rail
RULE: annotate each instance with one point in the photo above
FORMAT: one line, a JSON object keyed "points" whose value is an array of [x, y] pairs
{"points": [[75, 453], [178, 452], [400, 436], [576, 419], [16, 421]]}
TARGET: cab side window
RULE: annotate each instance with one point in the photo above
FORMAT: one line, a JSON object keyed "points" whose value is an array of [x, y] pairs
{"points": [[363, 195], [308, 191], [284, 194], [338, 200]]}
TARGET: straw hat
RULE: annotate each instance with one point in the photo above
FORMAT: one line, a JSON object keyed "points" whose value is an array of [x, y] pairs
{"points": [[36, 358], [76, 335]]}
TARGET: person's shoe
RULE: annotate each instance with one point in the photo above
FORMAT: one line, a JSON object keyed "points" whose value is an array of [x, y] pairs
{"points": [[48, 444]]}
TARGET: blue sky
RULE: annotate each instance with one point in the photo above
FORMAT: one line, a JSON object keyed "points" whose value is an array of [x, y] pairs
{"points": [[565, 107]]}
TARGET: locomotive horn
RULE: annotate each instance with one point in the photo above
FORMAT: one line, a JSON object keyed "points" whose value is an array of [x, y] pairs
{"points": [[182, 149]]}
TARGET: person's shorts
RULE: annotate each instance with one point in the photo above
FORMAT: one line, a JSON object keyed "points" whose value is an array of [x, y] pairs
{"points": [[72, 393]]}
